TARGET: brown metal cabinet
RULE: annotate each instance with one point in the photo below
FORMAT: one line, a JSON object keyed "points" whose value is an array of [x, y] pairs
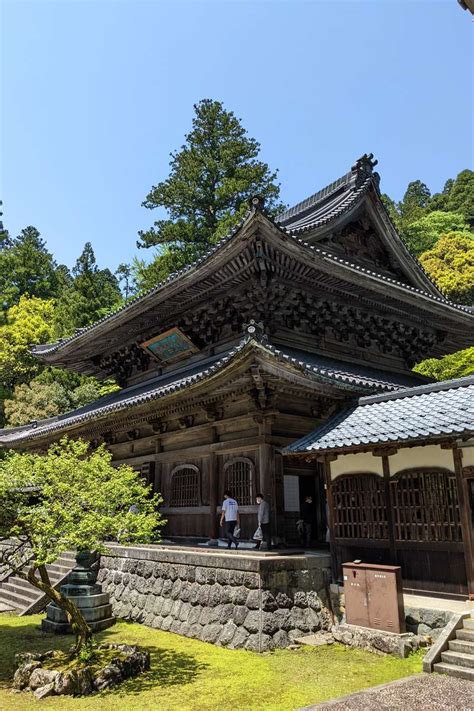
{"points": [[373, 596]]}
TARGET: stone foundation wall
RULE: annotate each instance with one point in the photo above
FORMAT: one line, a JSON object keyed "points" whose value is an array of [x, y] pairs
{"points": [[426, 621], [422, 621], [251, 602]]}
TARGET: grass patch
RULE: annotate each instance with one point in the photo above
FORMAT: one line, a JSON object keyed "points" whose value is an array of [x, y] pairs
{"points": [[192, 676]]}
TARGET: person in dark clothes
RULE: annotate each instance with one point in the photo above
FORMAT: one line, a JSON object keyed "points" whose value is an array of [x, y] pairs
{"points": [[307, 514], [263, 518], [230, 518]]}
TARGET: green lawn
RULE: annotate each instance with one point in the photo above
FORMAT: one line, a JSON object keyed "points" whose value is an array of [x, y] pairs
{"points": [[187, 674]]}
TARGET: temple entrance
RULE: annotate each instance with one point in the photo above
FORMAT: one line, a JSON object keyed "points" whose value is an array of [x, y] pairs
{"points": [[299, 482]]}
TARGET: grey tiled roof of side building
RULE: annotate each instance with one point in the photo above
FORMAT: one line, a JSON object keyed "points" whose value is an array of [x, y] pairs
{"points": [[352, 378], [425, 412]]}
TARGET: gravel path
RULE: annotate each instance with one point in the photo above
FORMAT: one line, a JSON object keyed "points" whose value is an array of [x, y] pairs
{"points": [[423, 692]]}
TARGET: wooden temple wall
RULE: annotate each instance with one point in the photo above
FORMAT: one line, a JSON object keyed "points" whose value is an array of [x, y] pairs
{"points": [[194, 461], [413, 507]]}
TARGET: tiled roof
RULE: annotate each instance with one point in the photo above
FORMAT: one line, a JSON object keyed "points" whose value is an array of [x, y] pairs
{"points": [[424, 412], [346, 376], [325, 205], [321, 208]]}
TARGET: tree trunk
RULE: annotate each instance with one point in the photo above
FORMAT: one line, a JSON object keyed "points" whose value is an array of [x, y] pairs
{"points": [[75, 618]]}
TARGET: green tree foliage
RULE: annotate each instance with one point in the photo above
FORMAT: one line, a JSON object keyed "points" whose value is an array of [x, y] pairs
{"points": [[124, 274], [414, 203], [82, 500], [91, 295], [147, 275], [455, 365], [422, 234], [35, 401], [28, 322], [52, 393], [451, 266], [26, 267], [412, 214], [212, 177], [461, 194]]}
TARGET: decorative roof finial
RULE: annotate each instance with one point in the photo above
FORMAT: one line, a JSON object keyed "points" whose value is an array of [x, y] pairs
{"points": [[363, 168], [256, 330], [257, 202]]}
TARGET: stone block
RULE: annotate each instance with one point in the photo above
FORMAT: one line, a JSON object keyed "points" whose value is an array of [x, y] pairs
{"points": [[252, 621], [40, 677], [227, 633], [281, 639], [253, 643], [239, 639], [239, 595], [283, 600], [239, 614], [176, 589], [214, 596], [194, 614], [253, 600], [222, 576], [210, 633], [282, 619], [269, 623], [44, 691], [201, 575], [226, 613], [166, 624]]}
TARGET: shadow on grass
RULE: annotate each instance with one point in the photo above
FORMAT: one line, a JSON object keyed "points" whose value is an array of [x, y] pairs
{"points": [[168, 667]]}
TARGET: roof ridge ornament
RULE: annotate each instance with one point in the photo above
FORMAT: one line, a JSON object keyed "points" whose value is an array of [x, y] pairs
{"points": [[363, 168], [257, 203], [256, 331]]}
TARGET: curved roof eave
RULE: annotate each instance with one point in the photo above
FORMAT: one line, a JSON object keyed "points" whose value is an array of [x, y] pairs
{"points": [[352, 383], [46, 351]]}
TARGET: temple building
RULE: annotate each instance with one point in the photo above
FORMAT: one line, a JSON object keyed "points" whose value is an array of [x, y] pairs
{"points": [[286, 327]]}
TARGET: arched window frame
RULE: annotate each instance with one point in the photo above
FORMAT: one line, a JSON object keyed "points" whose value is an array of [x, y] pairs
{"points": [[250, 498], [413, 519], [355, 521], [173, 479]]}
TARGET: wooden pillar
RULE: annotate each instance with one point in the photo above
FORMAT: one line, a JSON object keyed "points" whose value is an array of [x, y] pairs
{"points": [[330, 500], [389, 509], [466, 520], [213, 496], [265, 471]]}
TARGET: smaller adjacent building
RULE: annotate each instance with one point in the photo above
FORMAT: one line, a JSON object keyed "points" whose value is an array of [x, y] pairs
{"points": [[399, 473]]}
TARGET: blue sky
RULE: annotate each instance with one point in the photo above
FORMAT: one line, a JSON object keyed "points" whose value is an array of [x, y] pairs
{"points": [[96, 94]]}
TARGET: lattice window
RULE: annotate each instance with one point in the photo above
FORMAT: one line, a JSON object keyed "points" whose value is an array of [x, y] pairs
{"points": [[185, 486], [239, 480], [359, 507], [425, 506]]}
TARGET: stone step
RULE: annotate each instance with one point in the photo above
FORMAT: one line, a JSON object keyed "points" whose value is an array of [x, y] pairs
{"points": [[460, 658], [461, 645], [467, 635], [6, 605], [17, 600], [21, 584], [24, 591], [468, 623], [454, 670], [58, 571]]}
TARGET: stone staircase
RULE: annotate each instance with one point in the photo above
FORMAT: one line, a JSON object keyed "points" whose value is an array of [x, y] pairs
{"points": [[17, 594], [459, 659]]}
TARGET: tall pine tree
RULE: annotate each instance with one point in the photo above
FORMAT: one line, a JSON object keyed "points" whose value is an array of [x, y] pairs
{"points": [[92, 293], [212, 177]]}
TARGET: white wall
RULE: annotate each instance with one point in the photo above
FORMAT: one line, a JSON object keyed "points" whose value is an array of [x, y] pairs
{"points": [[412, 457], [362, 463]]}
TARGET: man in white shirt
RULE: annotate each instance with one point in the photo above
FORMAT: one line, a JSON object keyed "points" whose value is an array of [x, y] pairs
{"points": [[230, 518]]}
